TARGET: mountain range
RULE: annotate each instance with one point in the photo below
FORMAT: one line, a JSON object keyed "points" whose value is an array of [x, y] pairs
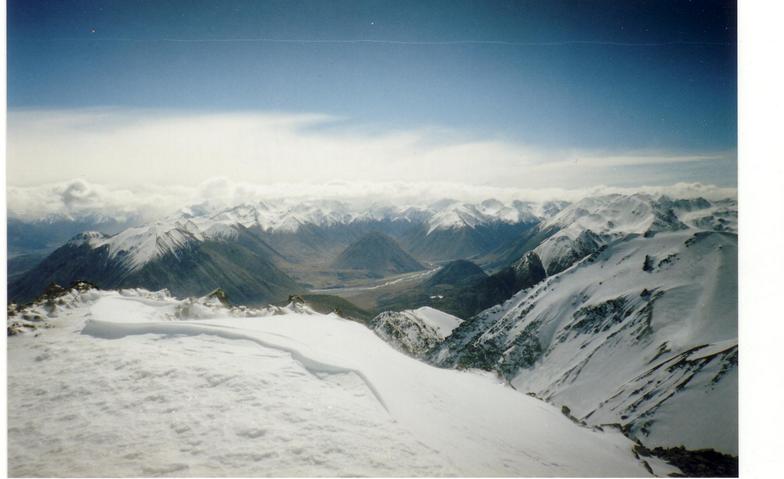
{"points": [[305, 245], [622, 309], [278, 249], [642, 333], [625, 313]]}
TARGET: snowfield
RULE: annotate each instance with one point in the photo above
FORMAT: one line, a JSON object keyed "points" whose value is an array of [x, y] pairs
{"points": [[129, 383]]}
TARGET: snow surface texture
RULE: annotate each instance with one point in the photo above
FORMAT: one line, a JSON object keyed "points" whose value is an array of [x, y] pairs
{"points": [[642, 333], [120, 386]]}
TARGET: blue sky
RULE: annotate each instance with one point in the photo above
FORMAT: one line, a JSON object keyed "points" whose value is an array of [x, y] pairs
{"points": [[596, 76]]}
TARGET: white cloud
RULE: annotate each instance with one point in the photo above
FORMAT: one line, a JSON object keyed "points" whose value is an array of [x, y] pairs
{"points": [[128, 148], [145, 163], [79, 198]]}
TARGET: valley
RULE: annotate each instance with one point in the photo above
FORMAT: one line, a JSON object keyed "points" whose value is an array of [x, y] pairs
{"points": [[619, 311]]}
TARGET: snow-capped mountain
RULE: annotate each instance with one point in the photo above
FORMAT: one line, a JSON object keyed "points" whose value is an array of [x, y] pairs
{"points": [[277, 234], [641, 332], [456, 215], [442, 230], [621, 308], [289, 216], [181, 256], [586, 226], [201, 222], [43, 235], [134, 383], [300, 237]]}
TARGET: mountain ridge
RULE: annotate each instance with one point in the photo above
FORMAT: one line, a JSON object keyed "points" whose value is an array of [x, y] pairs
{"points": [[378, 255], [244, 268]]}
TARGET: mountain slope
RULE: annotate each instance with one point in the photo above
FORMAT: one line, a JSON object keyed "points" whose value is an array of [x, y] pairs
{"points": [[47, 234], [460, 241], [455, 273], [443, 290], [414, 332], [176, 259], [498, 287], [377, 254], [584, 227], [474, 292], [642, 332], [120, 385]]}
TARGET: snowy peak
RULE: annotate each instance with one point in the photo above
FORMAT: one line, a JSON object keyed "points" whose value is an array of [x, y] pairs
{"points": [[566, 247], [87, 237], [136, 246], [577, 229], [246, 215], [634, 214], [717, 216], [139, 245], [530, 267], [464, 215], [456, 216], [287, 216], [592, 223], [613, 214]]}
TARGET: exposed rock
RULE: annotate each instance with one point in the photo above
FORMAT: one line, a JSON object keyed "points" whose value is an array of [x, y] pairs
{"points": [[694, 463], [647, 264], [296, 299], [414, 332], [220, 295], [529, 270]]}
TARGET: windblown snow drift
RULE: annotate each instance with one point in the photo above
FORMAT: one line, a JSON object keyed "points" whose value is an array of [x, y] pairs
{"points": [[138, 383]]}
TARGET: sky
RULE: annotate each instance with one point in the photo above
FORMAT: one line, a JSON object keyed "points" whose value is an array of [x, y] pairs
{"points": [[528, 94]]}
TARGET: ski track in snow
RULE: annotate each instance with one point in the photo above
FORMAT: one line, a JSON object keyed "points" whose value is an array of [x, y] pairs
{"points": [[117, 389]]}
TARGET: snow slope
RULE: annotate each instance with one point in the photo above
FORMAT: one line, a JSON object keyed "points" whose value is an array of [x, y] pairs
{"points": [[443, 322], [455, 215], [120, 384], [585, 226], [641, 333]]}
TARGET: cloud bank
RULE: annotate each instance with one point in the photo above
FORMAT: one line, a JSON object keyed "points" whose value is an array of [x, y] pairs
{"points": [[129, 148], [79, 198], [145, 164]]}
